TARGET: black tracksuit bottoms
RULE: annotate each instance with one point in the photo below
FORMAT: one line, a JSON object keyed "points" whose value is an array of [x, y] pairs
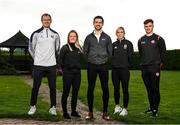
{"points": [[151, 78], [102, 71], [38, 73], [121, 75], [69, 79]]}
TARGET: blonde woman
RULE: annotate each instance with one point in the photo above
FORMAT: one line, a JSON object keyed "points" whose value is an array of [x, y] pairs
{"points": [[70, 62], [121, 62]]}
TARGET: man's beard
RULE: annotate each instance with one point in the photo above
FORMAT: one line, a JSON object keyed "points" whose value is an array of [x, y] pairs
{"points": [[98, 28]]}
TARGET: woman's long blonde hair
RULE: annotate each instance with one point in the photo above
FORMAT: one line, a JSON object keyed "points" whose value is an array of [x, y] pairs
{"points": [[77, 40]]}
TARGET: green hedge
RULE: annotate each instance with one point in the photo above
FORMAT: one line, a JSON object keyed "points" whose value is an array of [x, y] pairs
{"points": [[6, 68], [19, 62], [172, 61]]}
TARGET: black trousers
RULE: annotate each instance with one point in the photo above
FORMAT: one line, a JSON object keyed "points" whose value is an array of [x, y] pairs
{"points": [[121, 75], [151, 78], [38, 73], [74, 80], [102, 71]]}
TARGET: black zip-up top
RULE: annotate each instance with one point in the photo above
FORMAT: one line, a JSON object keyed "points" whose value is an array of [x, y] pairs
{"points": [[152, 50], [69, 60], [122, 54], [97, 52]]}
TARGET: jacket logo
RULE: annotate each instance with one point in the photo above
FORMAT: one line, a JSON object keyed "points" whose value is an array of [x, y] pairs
{"points": [[52, 36], [143, 42], [41, 36], [152, 41], [115, 47], [125, 46], [157, 74], [103, 39]]}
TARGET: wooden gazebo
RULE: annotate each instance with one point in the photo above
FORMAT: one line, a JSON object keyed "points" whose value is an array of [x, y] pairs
{"points": [[20, 41]]}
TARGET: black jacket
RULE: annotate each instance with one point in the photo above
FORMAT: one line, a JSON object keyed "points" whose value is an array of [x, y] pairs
{"points": [[70, 60], [97, 52], [152, 50], [122, 54]]}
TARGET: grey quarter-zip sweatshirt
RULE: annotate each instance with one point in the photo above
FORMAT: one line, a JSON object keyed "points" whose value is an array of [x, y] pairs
{"points": [[97, 51]]}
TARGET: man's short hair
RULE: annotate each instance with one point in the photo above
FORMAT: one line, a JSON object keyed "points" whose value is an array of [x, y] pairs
{"points": [[148, 21], [99, 17], [45, 14]]}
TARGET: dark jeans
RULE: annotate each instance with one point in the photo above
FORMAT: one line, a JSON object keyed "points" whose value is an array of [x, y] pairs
{"points": [[151, 78], [69, 79], [121, 75], [102, 71], [38, 73]]}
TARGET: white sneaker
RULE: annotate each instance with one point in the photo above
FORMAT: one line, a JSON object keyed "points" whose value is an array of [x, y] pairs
{"points": [[124, 112], [117, 109], [52, 111], [32, 110]]}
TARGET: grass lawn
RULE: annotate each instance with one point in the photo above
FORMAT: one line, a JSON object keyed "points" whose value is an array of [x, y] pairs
{"points": [[169, 110], [15, 97]]}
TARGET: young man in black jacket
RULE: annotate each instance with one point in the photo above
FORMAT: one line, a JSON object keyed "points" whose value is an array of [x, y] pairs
{"points": [[121, 62], [152, 51], [97, 48]]}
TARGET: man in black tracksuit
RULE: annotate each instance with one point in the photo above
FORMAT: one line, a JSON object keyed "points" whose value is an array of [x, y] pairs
{"points": [[97, 48], [152, 51], [69, 60], [121, 62]]}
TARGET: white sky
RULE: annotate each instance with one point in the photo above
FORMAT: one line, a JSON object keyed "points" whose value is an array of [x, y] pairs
{"points": [[25, 15]]}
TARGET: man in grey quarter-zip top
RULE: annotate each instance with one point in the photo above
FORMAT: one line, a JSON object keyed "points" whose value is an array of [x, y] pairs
{"points": [[97, 48]]}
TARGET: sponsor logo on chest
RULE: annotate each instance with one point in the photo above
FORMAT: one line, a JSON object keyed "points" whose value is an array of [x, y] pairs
{"points": [[125, 46], [143, 42], [103, 39]]}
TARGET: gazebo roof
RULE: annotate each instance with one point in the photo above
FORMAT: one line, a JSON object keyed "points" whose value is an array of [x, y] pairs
{"points": [[19, 40]]}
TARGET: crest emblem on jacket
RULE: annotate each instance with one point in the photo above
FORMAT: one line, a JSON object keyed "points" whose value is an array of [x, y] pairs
{"points": [[125, 46], [152, 41]]}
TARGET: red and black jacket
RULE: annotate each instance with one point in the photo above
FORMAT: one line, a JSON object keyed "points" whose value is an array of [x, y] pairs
{"points": [[152, 50]]}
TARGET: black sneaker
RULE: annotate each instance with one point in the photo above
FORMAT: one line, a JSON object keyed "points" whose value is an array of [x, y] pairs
{"points": [[75, 114], [154, 113], [66, 116]]}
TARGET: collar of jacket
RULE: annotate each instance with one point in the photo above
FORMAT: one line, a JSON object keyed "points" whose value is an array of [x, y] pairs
{"points": [[121, 40], [94, 33]]}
